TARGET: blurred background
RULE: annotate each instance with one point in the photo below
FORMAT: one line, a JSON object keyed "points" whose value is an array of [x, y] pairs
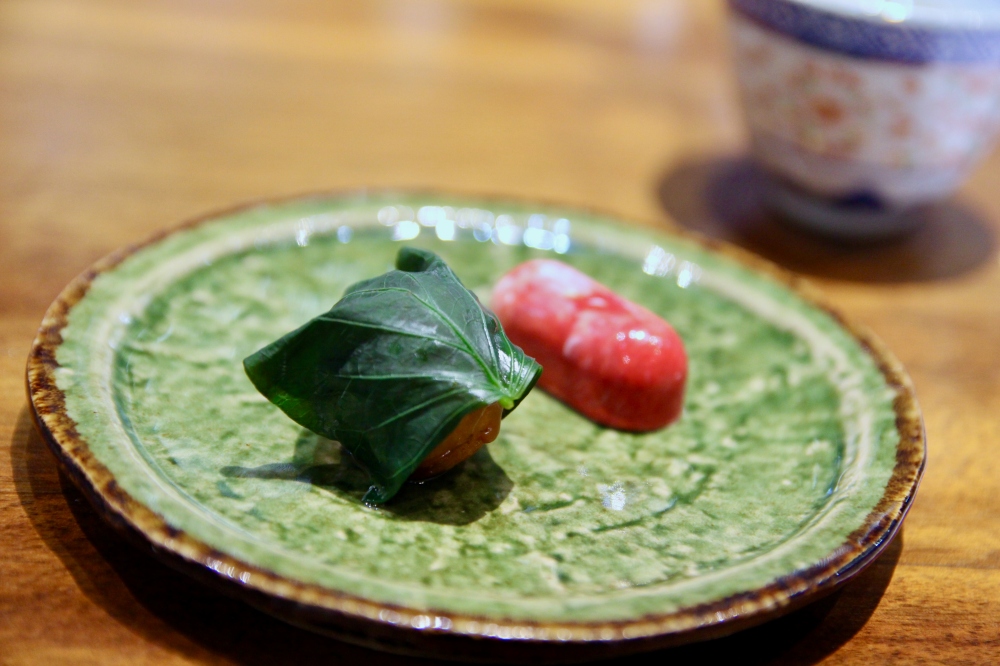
{"points": [[133, 115], [121, 118], [200, 104]]}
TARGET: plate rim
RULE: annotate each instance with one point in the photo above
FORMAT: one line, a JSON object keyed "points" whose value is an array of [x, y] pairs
{"points": [[389, 626]]}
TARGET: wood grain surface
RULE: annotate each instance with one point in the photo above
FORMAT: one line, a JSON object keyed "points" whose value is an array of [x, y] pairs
{"points": [[121, 117]]}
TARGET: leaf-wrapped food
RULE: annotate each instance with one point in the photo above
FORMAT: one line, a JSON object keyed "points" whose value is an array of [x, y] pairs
{"points": [[393, 367]]}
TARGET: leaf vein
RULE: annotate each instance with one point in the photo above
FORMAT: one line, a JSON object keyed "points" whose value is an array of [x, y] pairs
{"points": [[426, 403]]}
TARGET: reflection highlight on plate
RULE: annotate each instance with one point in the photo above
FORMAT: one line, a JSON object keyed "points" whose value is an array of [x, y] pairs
{"points": [[531, 230], [661, 263]]}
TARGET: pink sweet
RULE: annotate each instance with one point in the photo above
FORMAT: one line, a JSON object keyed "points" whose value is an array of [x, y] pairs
{"points": [[610, 359]]}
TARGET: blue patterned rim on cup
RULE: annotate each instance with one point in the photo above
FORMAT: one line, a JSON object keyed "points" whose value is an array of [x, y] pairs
{"points": [[868, 36]]}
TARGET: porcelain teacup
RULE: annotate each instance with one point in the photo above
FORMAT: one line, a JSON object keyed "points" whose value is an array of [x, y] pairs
{"points": [[863, 111]]}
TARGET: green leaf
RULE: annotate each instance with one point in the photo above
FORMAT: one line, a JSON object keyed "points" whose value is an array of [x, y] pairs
{"points": [[393, 367]]}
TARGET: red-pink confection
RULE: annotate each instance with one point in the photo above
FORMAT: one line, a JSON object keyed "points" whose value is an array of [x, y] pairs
{"points": [[612, 360]]}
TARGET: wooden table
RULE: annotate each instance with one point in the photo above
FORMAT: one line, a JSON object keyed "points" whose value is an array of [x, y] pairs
{"points": [[121, 117]]}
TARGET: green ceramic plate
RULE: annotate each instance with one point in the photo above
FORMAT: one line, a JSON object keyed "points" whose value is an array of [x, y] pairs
{"points": [[794, 462]]}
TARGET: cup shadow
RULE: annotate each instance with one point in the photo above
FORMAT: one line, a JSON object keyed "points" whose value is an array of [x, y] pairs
{"points": [[167, 608], [724, 198]]}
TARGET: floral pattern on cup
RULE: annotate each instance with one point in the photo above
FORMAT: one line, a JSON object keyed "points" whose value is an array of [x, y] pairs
{"points": [[859, 120], [899, 115]]}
